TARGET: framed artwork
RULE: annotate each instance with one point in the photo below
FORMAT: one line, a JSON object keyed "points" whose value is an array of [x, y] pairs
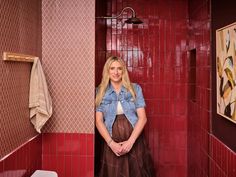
{"points": [[226, 71]]}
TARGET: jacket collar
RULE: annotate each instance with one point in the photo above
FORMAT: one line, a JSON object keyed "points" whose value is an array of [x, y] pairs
{"points": [[110, 89]]}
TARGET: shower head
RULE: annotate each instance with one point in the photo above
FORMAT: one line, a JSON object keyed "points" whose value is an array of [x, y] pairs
{"points": [[132, 20]]}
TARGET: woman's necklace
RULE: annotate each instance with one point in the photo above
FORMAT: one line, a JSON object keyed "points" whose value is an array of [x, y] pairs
{"points": [[117, 91], [117, 88]]}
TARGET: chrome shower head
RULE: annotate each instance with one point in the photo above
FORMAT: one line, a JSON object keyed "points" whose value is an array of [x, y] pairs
{"points": [[133, 20]]}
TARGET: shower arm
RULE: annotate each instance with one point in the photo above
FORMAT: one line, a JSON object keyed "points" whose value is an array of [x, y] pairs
{"points": [[130, 8]]}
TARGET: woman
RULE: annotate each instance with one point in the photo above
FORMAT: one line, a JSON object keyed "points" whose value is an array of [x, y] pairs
{"points": [[120, 119]]}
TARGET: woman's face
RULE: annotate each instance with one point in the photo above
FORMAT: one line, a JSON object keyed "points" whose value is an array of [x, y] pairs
{"points": [[115, 72]]}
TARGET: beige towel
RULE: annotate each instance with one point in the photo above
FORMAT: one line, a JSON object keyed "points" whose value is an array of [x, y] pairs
{"points": [[40, 102]]}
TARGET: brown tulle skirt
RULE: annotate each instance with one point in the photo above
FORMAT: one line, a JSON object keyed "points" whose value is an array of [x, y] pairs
{"points": [[136, 163]]}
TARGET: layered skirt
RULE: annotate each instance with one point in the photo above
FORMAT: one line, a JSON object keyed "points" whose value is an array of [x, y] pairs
{"points": [[136, 163]]}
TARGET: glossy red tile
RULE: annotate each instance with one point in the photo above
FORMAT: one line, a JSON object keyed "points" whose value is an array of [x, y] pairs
{"points": [[232, 171], [222, 159], [82, 144], [49, 143], [164, 9], [180, 107], [10, 163], [179, 9], [90, 144], [75, 166], [82, 166], [73, 147], [20, 161], [90, 167], [68, 166], [60, 143], [75, 144], [161, 67], [45, 145], [60, 164], [68, 144], [1, 168], [48, 162]]}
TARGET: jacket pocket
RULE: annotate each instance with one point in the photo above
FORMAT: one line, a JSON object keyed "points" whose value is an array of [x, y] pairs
{"points": [[106, 104], [131, 103]]}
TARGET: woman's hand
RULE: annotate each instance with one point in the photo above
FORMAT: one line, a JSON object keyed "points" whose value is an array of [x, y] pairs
{"points": [[116, 148], [126, 146]]}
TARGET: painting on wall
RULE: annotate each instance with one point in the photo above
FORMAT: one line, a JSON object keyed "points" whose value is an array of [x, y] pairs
{"points": [[226, 71]]}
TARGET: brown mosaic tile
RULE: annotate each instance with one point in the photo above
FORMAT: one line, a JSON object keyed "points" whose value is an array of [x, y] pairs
{"points": [[20, 32]]}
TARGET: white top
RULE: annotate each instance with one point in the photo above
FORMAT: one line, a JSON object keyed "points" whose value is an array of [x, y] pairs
{"points": [[119, 109]]}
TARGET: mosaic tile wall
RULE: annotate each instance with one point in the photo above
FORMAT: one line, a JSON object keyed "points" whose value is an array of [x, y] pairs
{"points": [[68, 47], [20, 32]]}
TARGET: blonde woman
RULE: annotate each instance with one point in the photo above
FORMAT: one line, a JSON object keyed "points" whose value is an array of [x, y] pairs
{"points": [[120, 119]]}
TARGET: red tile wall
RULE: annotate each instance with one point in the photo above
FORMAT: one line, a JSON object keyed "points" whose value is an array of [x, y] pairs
{"points": [[199, 111], [69, 154], [156, 55], [207, 156], [222, 160], [23, 161], [100, 40]]}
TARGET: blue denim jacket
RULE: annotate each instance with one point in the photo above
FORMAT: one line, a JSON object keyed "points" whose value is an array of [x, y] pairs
{"points": [[110, 100]]}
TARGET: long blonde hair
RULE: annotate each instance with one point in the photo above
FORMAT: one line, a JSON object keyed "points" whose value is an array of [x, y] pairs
{"points": [[105, 79]]}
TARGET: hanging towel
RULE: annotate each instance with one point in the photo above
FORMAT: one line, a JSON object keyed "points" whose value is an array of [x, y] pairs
{"points": [[40, 102]]}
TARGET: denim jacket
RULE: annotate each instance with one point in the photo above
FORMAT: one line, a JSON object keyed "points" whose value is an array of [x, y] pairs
{"points": [[129, 105]]}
